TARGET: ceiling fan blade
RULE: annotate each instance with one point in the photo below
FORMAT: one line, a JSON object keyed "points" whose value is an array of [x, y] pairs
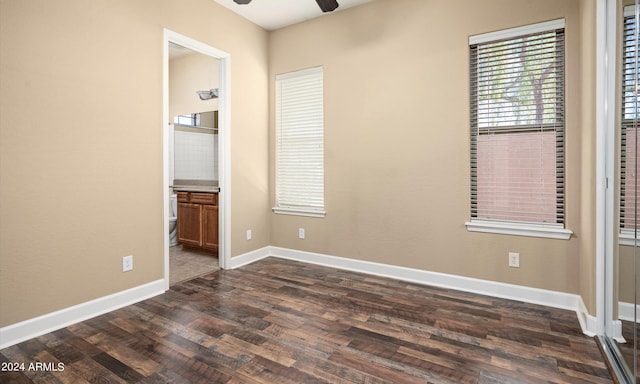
{"points": [[327, 5]]}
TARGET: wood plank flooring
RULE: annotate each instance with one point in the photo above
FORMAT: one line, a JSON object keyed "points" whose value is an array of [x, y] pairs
{"points": [[279, 321], [627, 349]]}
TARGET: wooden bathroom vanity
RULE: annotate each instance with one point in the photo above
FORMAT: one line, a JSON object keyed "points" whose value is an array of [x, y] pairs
{"points": [[198, 221]]}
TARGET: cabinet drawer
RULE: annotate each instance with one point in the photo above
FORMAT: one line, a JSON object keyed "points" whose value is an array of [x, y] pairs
{"points": [[204, 198], [183, 197]]}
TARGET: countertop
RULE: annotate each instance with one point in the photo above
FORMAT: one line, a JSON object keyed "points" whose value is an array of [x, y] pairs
{"points": [[195, 188]]}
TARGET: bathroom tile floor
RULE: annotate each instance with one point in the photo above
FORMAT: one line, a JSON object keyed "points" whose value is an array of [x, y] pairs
{"points": [[185, 265]]}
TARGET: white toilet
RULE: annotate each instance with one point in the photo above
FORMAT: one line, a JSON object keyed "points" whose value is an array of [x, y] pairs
{"points": [[173, 220]]}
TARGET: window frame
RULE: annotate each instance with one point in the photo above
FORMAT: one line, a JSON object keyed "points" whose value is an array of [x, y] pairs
{"points": [[286, 202], [512, 227], [626, 236]]}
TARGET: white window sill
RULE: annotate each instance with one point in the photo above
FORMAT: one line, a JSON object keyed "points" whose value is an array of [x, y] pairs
{"points": [[626, 237], [299, 212], [549, 231]]}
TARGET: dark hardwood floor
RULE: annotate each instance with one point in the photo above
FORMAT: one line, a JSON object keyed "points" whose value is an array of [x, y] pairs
{"points": [[278, 321], [629, 349]]}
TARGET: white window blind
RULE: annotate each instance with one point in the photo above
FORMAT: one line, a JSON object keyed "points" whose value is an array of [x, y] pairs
{"points": [[517, 125], [300, 143], [629, 127]]}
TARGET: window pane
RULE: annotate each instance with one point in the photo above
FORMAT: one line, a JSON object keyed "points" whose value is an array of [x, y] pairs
{"points": [[517, 82], [630, 73], [628, 190], [630, 104], [517, 177]]}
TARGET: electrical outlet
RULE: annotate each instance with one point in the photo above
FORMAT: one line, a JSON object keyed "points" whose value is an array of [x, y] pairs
{"points": [[249, 234], [514, 260], [127, 263], [300, 233]]}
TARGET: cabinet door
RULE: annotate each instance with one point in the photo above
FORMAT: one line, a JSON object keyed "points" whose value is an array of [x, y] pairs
{"points": [[210, 227], [190, 224]]}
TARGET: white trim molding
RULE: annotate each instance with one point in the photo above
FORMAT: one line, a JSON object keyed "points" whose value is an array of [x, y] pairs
{"points": [[518, 31], [616, 331], [299, 212], [224, 146], [549, 231], [627, 237], [31, 328], [625, 311], [28, 329], [549, 298], [607, 60], [248, 258]]}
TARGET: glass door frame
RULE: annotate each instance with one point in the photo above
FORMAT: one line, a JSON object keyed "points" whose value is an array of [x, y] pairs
{"points": [[607, 57]]}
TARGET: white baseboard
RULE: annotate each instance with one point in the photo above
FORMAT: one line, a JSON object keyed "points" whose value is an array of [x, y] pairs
{"points": [[549, 298], [588, 323], [625, 311], [31, 328], [250, 257], [617, 331], [25, 330]]}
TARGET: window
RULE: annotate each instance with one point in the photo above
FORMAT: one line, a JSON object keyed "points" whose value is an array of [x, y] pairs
{"points": [[517, 131], [629, 131], [300, 143]]}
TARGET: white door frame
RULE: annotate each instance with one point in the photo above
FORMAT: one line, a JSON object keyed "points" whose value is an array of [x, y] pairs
{"points": [[224, 146], [606, 97], [609, 327]]}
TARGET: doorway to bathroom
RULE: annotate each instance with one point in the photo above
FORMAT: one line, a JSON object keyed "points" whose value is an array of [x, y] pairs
{"points": [[195, 116]]}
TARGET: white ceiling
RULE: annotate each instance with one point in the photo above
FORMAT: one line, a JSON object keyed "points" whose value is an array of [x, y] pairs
{"points": [[274, 14]]}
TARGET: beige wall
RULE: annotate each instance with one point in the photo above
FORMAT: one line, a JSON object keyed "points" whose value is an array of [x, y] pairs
{"points": [[81, 143], [583, 158], [187, 75], [397, 140], [627, 284]]}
